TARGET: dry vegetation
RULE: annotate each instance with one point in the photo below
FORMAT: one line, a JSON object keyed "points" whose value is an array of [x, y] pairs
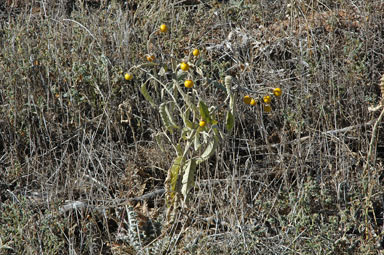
{"points": [[306, 178]]}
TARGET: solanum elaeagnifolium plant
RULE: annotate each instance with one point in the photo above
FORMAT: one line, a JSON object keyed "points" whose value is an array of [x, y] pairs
{"points": [[186, 114]]}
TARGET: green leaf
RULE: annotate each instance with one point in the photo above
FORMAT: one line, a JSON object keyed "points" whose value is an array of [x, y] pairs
{"points": [[187, 134], [166, 117], [159, 141], [228, 84], [196, 141], [179, 151], [209, 150], [175, 171], [188, 181], [184, 133], [230, 118], [199, 71], [230, 121], [144, 91], [168, 111], [204, 112], [163, 70], [186, 120]]}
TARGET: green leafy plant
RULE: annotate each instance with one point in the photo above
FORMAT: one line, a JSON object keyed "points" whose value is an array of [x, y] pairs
{"points": [[187, 114], [190, 124], [188, 119]]}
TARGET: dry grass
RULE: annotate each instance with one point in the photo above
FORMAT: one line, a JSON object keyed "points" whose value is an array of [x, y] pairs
{"points": [[295, 181]]}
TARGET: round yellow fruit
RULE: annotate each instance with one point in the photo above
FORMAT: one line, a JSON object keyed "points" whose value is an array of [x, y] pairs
{"points": [[188, 84], [267, 108], [184, 66], [128, 76], [163, 28], [150, 58], [267, 99], [202, 123], [196, 52], [277, 92], [253, 102], [247, 99]]}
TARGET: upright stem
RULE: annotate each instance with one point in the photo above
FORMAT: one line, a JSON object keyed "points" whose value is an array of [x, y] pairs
{"points": [[372, 148]]}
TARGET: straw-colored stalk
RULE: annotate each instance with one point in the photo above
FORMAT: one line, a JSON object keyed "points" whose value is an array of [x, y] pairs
{"points": [[382, 89]]}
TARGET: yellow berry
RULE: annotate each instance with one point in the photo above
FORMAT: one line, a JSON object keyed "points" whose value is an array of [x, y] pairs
{"points": [[253, 102], [202, 123], [128, 76], [196, 52], [267, 108], [188, 84], [150, 58], [277, 92], [163, 28], [267, 99], [247, 99], [184, 66]]}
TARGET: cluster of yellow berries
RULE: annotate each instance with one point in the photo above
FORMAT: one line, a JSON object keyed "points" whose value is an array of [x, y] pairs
{"points": [[277, 92], [249, 100], [163, 29], [266, 99], [185, 67]]}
